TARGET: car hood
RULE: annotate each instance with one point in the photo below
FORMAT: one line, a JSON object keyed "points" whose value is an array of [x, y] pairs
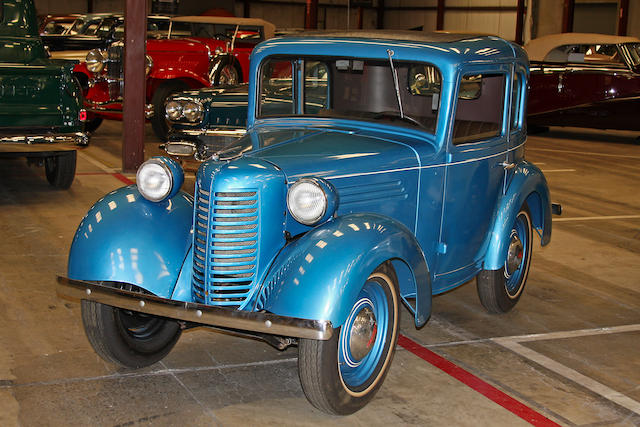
{"points": [[331, 153], [176, 45]]}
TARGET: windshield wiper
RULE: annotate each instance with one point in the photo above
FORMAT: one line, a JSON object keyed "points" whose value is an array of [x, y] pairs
{"points": [[395, 114], [395, 82]]}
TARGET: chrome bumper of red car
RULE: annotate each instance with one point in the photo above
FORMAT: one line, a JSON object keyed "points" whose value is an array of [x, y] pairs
{"points": [[193, 312]]}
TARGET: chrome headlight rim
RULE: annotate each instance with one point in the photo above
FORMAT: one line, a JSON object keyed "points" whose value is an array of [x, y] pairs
{"points": [[140, 179], [193, 110], [329, 201], [95, 60], [173, 110]]}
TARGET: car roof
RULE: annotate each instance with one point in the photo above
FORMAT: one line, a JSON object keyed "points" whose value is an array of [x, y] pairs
{"points": [[269, 28], [441, 48], [539, 48]]}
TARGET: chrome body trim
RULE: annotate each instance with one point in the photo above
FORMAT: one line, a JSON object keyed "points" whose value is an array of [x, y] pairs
{"points": [[193, 312], [212, 132], [77, 138]]}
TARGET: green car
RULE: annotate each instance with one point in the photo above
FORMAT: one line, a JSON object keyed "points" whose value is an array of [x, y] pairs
{"points": [[41, 115]]}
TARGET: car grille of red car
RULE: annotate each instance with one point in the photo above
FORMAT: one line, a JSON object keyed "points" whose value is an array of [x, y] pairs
{"points": [[115, 71], [225, 246]]}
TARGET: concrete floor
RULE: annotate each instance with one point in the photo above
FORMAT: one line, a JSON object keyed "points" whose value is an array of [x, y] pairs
{"points": [[582, 298]]}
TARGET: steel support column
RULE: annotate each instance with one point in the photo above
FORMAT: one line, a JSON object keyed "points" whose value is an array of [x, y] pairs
{"points": [[568, 9], [440, 15], [311, 15], [135, 15], [623, 17], [520, 16], [380, 12]]}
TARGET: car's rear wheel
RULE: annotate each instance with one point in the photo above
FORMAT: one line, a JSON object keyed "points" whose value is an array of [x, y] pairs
{"points": [[341, 375], [126, 338], [60, 169], [500, 290], [159, 121]]}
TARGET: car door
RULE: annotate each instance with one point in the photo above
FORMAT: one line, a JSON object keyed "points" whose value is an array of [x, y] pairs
{"points": [[475, 171]]}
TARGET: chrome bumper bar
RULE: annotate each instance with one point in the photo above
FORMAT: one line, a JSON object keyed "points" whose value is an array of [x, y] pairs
{"points": [[193, 312], [78, 138], [103, 107]]}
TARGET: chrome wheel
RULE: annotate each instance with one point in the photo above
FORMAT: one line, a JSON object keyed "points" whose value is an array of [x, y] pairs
{"points": [[516, 265], [228, 75]]}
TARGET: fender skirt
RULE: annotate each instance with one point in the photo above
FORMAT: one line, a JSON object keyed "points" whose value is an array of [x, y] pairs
{"points": [[527, 184], [320, 275], [127, 238]]}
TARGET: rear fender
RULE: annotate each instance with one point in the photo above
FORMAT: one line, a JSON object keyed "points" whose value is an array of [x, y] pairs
{"points": [[320, 275], [127, 238], [528, 184]]}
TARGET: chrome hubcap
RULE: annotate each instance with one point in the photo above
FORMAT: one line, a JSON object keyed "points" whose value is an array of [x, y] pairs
{"points": [[514, 256], [363, 333]]}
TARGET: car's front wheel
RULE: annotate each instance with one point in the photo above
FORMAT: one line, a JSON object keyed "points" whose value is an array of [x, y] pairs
{"points": [[61, 169], [500, 290], [126, 338], [341, 375]]}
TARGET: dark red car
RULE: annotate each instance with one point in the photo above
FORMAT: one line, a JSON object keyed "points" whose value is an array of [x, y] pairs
{"points": [[201, 51], [584, 80]]}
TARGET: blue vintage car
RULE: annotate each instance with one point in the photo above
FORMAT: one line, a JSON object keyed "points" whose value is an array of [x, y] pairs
{"points": [[387, 168]]}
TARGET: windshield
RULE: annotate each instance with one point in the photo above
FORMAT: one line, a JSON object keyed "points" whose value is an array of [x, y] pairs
{"points": [[250, 34], [348, 88], [634, 54]]}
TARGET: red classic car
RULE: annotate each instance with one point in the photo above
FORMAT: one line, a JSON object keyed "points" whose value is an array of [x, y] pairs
{"points": [[201, 51], [584, 80]]}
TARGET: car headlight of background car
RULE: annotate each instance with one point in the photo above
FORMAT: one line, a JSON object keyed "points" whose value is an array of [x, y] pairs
{"points": [[95, 60], [312, 201], [159, 178], [190, 110]]}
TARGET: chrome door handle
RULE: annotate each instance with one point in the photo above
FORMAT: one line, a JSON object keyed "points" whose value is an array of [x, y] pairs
{"points": [[508, 166]]}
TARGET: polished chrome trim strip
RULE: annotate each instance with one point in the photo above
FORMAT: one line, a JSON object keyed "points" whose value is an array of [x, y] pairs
{"points": [[193, 312], [79, 138]]}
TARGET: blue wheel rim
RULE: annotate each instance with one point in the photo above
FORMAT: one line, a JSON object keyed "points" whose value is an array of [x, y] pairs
{"points": [[356, 374], [515, 279]]}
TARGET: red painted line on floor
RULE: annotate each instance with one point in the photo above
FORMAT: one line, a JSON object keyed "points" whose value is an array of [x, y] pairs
{"points": [[487, 390], [116, 175]]}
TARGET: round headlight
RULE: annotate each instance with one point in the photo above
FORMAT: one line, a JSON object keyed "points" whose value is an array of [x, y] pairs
{"points": [[173, 110], [154, 180], [95, 61], [192, 111], [307, 201], [148, 64]]}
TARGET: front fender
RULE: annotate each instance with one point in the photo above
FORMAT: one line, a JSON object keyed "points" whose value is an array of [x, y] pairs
{"points": [[193, 79], [320, 275], [527, 184], [126, 238]]}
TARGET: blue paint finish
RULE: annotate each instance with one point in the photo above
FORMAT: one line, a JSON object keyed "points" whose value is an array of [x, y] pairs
{"points": [[176, 172], [527, 180], [124, 237], [320, 275]]}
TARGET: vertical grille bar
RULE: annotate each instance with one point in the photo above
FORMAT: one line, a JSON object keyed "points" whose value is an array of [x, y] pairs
{"points": [[225, 256], [115, 71]]}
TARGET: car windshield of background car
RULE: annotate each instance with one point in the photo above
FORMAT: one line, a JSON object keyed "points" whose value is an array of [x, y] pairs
{"points": [[250, 34], [352, 89], [634, 53], [586, 53]]}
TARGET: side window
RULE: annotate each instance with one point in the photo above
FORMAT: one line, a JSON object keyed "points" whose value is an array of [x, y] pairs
{"points": [[516, 99], [480, 108], [316, 97], [276, 91]]}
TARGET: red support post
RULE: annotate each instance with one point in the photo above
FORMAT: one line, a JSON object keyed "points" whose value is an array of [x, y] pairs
{"points": [[380, 11], [360, 15], [623, 17], [567, 15], [135, 16], [311, 15], [440, 15]]}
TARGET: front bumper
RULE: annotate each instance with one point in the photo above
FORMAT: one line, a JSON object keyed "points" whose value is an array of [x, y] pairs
{"points": [[201, 143], [115, 108], [193, 312], [42, 143]]}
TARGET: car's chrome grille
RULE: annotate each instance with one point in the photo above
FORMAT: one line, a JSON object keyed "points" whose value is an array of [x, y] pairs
{"points": [[115, 71], [225, 246]]}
